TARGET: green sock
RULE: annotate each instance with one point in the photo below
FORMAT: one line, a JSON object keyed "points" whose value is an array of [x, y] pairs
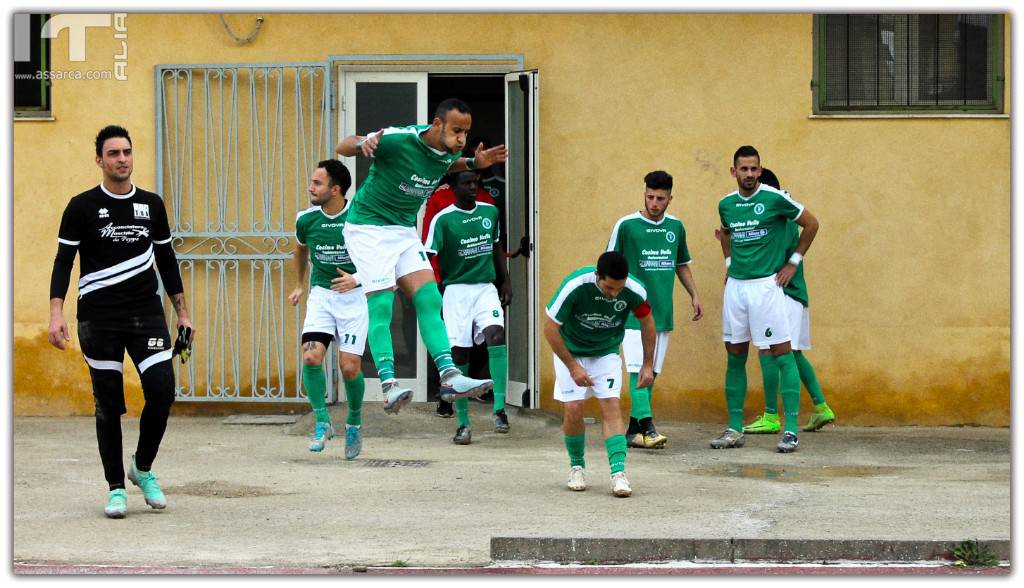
{"points": [[736, 389], [790, 378], [497, 360], [427, 301], [462, 404], [770, 375], [640, 398], [380, 305], [575, 445], [315, 382], [808, 377], [616, 447], [354, 390]]}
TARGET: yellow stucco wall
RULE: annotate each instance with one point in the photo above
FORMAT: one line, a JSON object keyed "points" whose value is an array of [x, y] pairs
{"points": [[909, 276]]}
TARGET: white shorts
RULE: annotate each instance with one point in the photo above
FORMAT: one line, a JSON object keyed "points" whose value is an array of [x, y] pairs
{"points": [[343, 315], [605, 371], [633, 350], [468, 310], [382, 254], [754, 310], [799, 317]]}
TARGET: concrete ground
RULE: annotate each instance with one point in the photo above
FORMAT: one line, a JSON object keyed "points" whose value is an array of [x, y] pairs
{"points": [[252, 495]]}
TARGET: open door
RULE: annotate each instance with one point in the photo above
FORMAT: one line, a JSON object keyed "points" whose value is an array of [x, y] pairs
{"points": [[521, 212], [371, 101]]}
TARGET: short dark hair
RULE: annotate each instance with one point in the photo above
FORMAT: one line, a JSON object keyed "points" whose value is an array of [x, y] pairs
{"points": [[745, 151], [451, 178], [450, 104], [338, 174], [109, 132], [658, 180], [612, 264], [769, 177]]}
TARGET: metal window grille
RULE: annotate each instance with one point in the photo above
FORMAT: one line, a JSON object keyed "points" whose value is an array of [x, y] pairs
{"points": [[908, 62]]}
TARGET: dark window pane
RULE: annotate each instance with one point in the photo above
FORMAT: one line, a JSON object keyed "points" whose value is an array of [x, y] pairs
{"points": [[886, 61], [30, 91]]}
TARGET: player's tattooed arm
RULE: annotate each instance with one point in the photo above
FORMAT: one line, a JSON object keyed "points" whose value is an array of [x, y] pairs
{"points": [[181, 310]]}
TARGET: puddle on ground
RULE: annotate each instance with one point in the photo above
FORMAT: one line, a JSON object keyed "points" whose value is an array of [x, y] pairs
{"points": [[808, 475], [219, 489]]}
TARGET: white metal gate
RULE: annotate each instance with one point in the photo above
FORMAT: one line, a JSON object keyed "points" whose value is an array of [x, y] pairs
{"points": [[237, 144]]}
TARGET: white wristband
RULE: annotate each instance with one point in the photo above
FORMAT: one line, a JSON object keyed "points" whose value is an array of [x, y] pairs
{"points": [[728, 262], [796, 258]]}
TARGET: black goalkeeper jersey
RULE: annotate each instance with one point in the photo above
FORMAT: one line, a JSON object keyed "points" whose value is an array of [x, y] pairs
{"points": [[117, 237]]}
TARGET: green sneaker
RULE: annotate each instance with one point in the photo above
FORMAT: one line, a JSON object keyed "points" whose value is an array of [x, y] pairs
{"points": [[766, 423], [822, 416], [150, 489], [117, 504]]}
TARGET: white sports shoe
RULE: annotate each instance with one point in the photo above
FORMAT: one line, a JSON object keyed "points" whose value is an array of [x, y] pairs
{"points": [[395, 397], [577, 479], [620, 485], [455, 385]]}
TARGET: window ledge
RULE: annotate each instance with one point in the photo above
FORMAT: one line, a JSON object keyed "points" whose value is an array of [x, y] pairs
{"points": [[33, 116], [912, 115]]}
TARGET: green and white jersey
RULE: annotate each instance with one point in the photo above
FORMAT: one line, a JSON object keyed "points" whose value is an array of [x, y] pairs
{"points": [[591, 324], [463, 241], [321, 233], [404, 173], [654, 251], [757, 228], [797, 287]]}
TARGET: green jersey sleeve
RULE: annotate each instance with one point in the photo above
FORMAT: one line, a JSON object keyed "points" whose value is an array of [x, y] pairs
{"points": [[786, 206], [683, 254], [300, 228], [387, 142], [435, 235], [560, 306]]}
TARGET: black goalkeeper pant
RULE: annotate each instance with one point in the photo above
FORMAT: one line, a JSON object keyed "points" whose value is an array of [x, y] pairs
{"points": [[148, 344]]}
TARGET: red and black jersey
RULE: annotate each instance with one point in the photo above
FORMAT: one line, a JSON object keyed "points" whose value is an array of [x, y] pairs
{"points": [[117, 237]]}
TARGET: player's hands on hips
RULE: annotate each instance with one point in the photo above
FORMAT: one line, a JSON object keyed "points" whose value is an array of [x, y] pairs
{"points": [[296, 295], [488, 157], [646, 377], [344, 282], [580, 376], [58, 331], [505, 293], [370, 144], [698, 308], [785, 275]]}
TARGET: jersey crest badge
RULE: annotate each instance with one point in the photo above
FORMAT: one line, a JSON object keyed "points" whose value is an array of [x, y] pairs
{"points": [[141, 210]]}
